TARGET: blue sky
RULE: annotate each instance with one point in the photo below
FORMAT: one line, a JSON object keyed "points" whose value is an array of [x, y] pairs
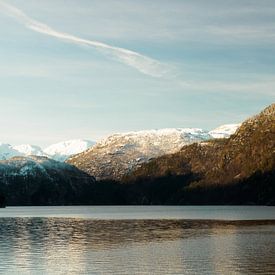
{"points": [[191, 64]]}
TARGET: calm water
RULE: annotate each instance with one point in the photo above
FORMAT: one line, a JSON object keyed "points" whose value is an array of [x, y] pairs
{"points": [[137, 240]]}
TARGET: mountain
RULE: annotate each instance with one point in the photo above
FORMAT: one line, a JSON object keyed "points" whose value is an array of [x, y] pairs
{"points": [[198, 169], [224, 131], [240, 169], [37, 180], [7, 151], [28, 150], [119, 154], [60, 151], [63, 150]]}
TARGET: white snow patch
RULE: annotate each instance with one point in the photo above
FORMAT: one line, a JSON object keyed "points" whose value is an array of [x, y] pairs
{"points": [[224, 131], [7, 151], [63, 150], [28, 150]]}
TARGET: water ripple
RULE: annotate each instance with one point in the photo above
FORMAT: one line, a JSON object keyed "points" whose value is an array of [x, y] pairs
{"points": [[79, 246]]}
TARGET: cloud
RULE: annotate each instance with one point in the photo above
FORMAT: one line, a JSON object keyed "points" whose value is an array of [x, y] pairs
{"points": [[144, 64]]}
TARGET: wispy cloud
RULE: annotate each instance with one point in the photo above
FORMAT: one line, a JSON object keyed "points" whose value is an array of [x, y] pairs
{"points": [[262, 86], [136, 60]]}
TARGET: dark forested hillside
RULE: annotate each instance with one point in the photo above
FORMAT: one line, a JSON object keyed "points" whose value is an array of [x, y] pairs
{"points": [[41, 181]]}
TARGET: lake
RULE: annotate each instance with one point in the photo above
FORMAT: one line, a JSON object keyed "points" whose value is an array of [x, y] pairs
{"points": [[137, 240]]}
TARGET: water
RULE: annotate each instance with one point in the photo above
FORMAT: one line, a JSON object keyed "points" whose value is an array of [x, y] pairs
{"points": [[125, 240], [145, 212]]}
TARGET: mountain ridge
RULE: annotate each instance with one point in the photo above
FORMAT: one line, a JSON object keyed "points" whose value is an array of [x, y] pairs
{"points": [[119, 154], [63, 150]]}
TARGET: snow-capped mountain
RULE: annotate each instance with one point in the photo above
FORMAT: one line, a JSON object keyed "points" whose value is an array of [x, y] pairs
{"points": [[60, 151], [153, 141], [118, 154], [224, 131], [148, 144], [7, 151], [28, 150], [63, 150]]}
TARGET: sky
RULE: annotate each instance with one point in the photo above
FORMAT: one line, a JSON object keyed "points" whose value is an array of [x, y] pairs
{"points": [[89, 68]]}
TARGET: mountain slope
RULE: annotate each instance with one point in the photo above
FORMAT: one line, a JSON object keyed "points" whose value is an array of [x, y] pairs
{"points": [[119, 154], [41, 181], [221, 162], [250, 149]]}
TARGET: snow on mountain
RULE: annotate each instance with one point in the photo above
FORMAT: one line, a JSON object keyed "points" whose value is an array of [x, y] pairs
{"points": [[63, 150], [224, 131], [7, 151], [165, 140], [118, 154], [146, 144], [60, 151], [27, 150]]}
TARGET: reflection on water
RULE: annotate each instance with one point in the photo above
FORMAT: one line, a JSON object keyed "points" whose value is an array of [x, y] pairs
{"points": [[79, 246]]}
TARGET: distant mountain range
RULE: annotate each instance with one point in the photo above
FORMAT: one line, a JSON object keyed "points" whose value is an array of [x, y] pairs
{"points": [[63, 150], [119, 154], [233, 164], [59, 151]]}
